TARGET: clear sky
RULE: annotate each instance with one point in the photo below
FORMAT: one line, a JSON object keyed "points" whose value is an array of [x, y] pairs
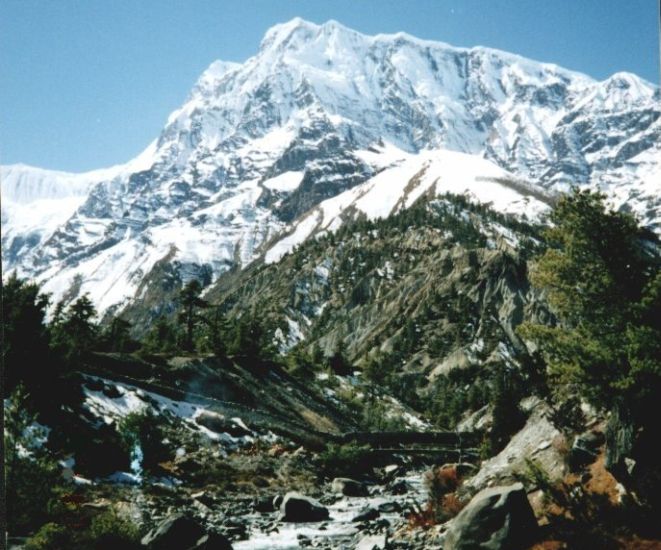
{"points": [[89, 83]]}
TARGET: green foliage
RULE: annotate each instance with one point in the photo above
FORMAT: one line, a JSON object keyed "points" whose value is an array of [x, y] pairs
{"points": [[377, 416], [250, 340], [460, 391], [117, 337], [345, 460], [50, 537], [25, 341], [602, 277], [109, 531], [74, 331], [507, 416], [300, 364], [338, 363], [189, 302], [145, 429], [162, 338], [31, 476]]}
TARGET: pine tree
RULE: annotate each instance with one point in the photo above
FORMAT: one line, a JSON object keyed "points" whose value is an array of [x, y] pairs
{"points": [[25, 338], [76, 334], [117, 337], [190, 301]]}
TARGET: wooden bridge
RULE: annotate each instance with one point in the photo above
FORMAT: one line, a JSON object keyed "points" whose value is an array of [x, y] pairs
{"points": [[442, 445]]}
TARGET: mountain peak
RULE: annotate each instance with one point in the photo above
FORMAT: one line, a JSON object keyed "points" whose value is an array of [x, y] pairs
{"points": [[279, 33]]}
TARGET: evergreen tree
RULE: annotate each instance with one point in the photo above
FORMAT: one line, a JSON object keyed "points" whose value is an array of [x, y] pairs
{"points": [[190, 301], [162, 338], [76, 334], [507, 416], [603, 281], [117, 337], [25, 339]]}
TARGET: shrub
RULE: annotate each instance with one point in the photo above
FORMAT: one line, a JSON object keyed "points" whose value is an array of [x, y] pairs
{"points": [[49, 537], [109, 531], [442, 483], [345, 460]]}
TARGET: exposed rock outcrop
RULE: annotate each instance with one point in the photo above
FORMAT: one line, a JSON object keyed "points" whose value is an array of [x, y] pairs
{"points": [[499, 518], [296, 508]]}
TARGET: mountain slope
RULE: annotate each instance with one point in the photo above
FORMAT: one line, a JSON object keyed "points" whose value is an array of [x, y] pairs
{"points": [[258, 145], [441, 283]]}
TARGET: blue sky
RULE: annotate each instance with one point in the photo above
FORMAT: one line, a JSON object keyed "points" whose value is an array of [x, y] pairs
{"points": [[89, 83]]}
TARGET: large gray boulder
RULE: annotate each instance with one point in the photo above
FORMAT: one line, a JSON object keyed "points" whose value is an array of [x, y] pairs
{"points": [[296, 507], [499, 518]]}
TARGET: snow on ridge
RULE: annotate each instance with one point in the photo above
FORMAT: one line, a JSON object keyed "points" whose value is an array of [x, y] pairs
{"points": [[399, 186], [287, 181]]}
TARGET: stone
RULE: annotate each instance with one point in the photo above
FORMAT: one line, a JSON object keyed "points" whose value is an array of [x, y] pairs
{"points": [[296, 507], [496, 518], [176, 531], [366, 514], [389, 508], [264, 505], [585, 449], [399, 487], [349, 487]]}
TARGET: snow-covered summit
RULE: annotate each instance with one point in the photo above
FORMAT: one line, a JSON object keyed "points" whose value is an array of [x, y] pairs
{"points": [[257, 146]]}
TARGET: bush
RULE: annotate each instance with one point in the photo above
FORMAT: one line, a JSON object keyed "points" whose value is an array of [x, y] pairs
{"points": [[50, 537], [110, 531], [345, 460]]}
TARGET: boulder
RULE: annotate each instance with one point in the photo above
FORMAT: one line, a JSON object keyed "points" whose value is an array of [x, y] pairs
{"points": [[349, 487], [177, 531], [399, 487], [296, 507], [366, 514], [585, 449], [496, 518], [390, 508], [264, 504]]}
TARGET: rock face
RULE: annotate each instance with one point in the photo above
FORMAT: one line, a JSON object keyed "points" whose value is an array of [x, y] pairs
{"points": [[499, 518], [349, 487], [299, 508], [534, 441]]}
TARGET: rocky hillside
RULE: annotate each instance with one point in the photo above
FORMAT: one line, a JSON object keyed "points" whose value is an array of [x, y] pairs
{"points": [[318, 110], [439, 285]]}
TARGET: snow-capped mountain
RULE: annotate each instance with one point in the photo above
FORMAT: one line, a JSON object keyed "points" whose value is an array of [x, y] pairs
{"points": [[319, 119]]}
